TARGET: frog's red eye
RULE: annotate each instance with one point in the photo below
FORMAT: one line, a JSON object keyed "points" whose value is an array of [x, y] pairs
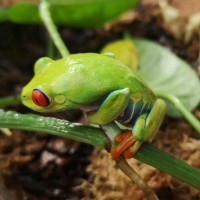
{"points": [[39, 98]]}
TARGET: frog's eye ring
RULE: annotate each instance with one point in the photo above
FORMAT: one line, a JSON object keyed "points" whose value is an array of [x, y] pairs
{"points": [[39, 98]]}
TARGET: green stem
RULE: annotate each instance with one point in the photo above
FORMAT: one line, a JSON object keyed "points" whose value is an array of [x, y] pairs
{"points": [[52, 29], [50, 48], [9, 100], [182, 109], [95, 136]]}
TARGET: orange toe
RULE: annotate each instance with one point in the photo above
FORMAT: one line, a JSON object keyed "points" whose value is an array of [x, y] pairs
{"points": [[128, 153], [126, 142], [115, 153], [119, 138]]}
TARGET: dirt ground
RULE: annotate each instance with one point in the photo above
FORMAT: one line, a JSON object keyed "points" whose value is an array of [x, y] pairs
{"points": [[35, 166]]}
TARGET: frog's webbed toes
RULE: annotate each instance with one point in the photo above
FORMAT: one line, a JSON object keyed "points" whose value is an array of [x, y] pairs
{"points": [[125, 143]]}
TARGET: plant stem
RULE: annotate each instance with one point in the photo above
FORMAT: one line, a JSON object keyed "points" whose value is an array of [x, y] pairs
{"points": [[50, 48], [95, 136], [187, 114], [9, 100], [122, 164], [52, 29]]}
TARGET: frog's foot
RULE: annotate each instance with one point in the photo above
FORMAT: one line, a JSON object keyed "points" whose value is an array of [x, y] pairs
{"points": [[132, 150], [127, 146]]}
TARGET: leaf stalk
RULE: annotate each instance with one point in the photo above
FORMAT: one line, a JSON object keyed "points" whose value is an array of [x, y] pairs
{"points": [[51, 27]]}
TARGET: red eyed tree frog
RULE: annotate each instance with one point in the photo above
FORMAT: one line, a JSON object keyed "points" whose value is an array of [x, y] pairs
{"points": [[105, 89]]}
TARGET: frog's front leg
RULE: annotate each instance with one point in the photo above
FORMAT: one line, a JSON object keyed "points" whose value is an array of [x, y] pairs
{"points": [[114, 104], [144, 130]]}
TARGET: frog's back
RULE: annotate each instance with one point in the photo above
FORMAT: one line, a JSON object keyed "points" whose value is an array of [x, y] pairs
{"points": [[106, 74]]}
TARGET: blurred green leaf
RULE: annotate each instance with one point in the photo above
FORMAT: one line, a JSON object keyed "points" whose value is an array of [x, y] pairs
{"points": [[75, 13], [24, 13], [167, 73], [3, 14]]}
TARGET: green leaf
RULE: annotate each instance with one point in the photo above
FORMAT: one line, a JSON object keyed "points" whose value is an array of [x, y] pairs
{"points": [[76, 13], [24, 13], [167, 73], [3, 14], [84, 13], [95, 136]]}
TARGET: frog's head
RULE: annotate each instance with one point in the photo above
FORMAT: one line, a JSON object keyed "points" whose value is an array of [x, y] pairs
{"points": [[44, 92], [42, 99]]}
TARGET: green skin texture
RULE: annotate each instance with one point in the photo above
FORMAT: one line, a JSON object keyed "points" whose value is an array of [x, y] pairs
{"points": [[77, 81]]}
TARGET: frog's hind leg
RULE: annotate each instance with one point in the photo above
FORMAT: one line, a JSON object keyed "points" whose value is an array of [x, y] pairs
{"points": [[150, 122], [144, 130], [147, 126]]}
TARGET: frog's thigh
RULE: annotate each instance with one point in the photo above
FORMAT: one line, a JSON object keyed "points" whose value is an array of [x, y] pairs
{"points": [[111, 108], [147, 125]]}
